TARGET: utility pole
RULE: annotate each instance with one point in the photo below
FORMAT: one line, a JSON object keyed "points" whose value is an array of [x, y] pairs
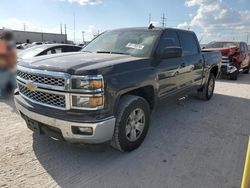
{"points": [[149, 19], [83, 37], [42, 32], [61, 29], [65, 32], [74, 28], [247, 37], [24, 27], [163, 18]]}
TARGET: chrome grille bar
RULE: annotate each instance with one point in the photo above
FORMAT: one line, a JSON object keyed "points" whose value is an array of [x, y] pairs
{"points": [[44, 79]]}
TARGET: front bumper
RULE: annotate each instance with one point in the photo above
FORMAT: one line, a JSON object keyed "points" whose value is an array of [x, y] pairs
{"points": [[102, 131], [228, 69]]}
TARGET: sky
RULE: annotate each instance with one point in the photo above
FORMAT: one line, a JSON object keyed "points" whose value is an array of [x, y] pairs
{"points": [[210, 19]]}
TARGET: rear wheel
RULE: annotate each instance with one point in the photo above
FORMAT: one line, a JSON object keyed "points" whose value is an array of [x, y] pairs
{"points": [[207, 91], [132, 123]]}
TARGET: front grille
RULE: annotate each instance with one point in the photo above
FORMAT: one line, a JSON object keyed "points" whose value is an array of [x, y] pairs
{"points": [[42, 79], [54, 100]]}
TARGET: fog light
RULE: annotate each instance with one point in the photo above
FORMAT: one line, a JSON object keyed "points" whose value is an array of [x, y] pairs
{"points": [[86, 130], [82, 130]]}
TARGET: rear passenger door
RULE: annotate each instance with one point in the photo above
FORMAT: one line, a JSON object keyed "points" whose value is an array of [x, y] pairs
{"points": [[193, 68], [168, 69]]}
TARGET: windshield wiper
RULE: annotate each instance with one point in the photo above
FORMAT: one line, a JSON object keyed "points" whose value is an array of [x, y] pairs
{"points": [[108, 52]]}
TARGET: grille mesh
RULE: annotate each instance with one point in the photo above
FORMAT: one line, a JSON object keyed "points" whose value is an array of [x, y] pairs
{"points": [[44, 98], [42, 79]]}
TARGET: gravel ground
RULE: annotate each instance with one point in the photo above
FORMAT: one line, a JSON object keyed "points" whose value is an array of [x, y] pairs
{"points": [[193, 144]]}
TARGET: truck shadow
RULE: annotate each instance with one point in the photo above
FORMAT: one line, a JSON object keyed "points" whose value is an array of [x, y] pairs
{"points": [[183, 137]]}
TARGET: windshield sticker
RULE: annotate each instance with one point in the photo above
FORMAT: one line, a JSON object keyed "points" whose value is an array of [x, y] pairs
{"points": [[135, 46]]}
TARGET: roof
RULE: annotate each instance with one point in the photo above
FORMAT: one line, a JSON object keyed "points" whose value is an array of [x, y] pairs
{"points": [[154, 29]]}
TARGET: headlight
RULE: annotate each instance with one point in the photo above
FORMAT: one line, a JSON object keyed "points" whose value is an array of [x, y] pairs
{"points": [[87, 102], [87, 83]]}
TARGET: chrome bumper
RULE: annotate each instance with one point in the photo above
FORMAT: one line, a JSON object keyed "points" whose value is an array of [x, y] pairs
{"points": [[102, 131]]}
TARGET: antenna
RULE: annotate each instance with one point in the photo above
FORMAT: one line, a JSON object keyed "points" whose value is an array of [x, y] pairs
{"points": [[163, 18], [151, 26]]}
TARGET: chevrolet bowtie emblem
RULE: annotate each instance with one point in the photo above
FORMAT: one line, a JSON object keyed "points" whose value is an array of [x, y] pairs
{"points": [[31, 86]]}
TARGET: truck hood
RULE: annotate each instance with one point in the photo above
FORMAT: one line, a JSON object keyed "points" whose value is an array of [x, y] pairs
{"points": [[74, 63], [224, 51]]}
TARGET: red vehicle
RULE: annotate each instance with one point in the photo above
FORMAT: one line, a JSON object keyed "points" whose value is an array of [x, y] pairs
{"points": [[235, 57]]}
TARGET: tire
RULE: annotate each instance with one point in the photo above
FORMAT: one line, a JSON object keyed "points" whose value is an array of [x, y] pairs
{"points": [[247, 70], [128, 106], [207, 91], [234, 76]]}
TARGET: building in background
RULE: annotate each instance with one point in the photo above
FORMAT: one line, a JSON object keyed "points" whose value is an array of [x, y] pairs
{"points": [[30, 36]]}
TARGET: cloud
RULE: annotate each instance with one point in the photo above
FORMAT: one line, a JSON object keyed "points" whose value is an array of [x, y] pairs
{"points": [[216, 21], [84, 2]]}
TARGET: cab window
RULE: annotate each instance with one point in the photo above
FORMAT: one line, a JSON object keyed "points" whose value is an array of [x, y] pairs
{"points": [[169, 39], [188, 43]]}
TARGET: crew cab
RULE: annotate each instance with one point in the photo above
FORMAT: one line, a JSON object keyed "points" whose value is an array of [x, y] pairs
{"points": [[106, 92], [235, 57]]}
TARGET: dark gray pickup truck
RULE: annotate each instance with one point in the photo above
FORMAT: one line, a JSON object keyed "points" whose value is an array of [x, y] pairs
{"points": [[106, 92]]}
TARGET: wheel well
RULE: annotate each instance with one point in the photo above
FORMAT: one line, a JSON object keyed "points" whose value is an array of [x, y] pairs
{"points": [[146, 92], [214, 71]]}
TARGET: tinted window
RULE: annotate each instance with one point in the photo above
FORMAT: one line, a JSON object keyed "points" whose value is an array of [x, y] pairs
{"points": [[71, 48], [242, 47], [54, 51], [188, 43], [169, 39], [246, 47]]}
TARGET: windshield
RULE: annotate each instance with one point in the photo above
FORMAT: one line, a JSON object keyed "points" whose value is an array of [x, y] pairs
{"points": [[138, 43], [222, 44], [30, 52]]}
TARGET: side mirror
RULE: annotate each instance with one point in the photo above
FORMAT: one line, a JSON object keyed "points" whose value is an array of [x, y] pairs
{"points": [[170, 52]]}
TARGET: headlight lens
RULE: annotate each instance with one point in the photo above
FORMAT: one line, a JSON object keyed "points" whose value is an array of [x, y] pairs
{"points": [[92, 102], [87, 83]]}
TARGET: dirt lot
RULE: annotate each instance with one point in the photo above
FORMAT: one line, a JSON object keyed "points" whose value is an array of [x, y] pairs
{"points": [[194, 144]]}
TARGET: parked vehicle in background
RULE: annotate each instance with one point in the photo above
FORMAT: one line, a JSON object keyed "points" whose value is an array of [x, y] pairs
{"points": [[46, 49], [36, 43], [235, 55], [106, 93]]}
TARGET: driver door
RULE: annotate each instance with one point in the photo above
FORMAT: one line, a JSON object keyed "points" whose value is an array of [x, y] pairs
{"points": [[169, 71]]}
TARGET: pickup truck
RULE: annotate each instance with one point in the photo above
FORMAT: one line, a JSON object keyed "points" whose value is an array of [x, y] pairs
{"points": [[106, 92], [235, 57]]}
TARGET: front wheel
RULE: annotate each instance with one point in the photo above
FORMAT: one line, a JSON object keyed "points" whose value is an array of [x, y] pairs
{"points": [[207, 91], [132, 123], [234, 75], [246, 71]]}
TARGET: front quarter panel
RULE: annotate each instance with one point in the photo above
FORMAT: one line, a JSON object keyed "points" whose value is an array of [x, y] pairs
{"points": [[127, 77]]}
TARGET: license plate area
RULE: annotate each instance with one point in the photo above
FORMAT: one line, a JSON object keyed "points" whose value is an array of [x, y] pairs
{"points": [[33, 125]]}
